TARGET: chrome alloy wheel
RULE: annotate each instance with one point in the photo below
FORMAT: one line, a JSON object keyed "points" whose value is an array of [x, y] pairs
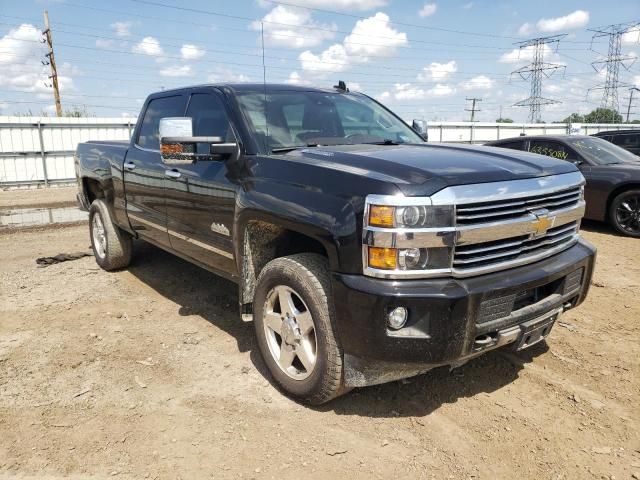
{"points": [[99, 236], [290, 332], [628, 214]]}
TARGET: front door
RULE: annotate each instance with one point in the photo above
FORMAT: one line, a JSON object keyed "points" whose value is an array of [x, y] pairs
{"points": [[200, 197], [144, 172]]}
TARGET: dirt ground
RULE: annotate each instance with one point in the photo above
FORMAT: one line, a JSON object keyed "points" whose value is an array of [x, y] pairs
{"points": [[149, 373]]}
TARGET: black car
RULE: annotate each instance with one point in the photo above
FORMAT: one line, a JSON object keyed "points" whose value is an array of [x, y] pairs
{"points": [[627, 139], [612, 173]]}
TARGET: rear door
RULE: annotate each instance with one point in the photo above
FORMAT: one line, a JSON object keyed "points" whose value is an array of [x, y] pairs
{"points": [[200, 196], [144, 172]]}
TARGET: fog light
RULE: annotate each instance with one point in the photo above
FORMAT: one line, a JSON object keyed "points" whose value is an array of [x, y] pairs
{"points": [[397, 317]]}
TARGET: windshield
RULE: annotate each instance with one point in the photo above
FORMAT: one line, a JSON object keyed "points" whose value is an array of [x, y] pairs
{"points": [[298, 118], [600, 151]]}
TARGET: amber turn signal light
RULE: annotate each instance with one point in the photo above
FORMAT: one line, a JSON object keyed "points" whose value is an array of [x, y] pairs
{"points": [[381, 216], [383, 258], [171, 148]]}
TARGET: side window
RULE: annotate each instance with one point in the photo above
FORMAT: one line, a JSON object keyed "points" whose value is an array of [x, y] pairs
{"points": [[552, 149], [629, 140], [511, 145], [158, 108], [209, 117]]}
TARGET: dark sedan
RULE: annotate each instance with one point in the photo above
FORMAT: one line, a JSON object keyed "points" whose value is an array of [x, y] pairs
{"points": [[612, 192]]}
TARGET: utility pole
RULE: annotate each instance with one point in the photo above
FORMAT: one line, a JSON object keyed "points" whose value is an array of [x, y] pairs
{"points": [[52, 62], [631, 90], [612, 62], [473, 108], [535, 71]]}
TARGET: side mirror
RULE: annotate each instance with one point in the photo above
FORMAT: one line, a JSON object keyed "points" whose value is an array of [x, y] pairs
{"points": [[420, 127], [178, 146]]}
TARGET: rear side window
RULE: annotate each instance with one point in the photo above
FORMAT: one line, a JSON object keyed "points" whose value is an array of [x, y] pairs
{"points": [[552, 149], [628, 140], [511, 145], [149, 136]]}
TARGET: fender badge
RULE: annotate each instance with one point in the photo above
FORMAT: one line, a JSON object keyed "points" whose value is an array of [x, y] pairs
{"points": [[219, 228]]}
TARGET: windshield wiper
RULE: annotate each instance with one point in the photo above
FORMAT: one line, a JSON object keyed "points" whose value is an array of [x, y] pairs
{"points": [[292, 147], [386, 141]]}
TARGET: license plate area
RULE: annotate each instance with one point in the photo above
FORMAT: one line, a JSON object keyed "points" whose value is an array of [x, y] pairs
{"points": [[534, 331]]}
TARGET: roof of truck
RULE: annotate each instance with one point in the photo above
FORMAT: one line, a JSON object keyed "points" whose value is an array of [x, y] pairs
{"points": [[254, 87]]}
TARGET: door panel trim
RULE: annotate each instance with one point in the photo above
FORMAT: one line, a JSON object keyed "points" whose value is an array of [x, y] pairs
{"points": [[193, 241]]}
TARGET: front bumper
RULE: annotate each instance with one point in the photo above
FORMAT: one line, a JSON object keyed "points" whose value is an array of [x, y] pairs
{"points": [[450, 320]]}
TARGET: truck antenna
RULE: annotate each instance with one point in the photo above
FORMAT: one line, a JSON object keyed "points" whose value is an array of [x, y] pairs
{"points": [[341, 86]]}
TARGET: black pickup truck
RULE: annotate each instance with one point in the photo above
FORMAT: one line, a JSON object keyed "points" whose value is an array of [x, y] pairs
{"points": [[362, 253]]}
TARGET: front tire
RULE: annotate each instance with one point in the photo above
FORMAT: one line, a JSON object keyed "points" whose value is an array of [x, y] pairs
{"points": [[112, 246], [293, 317], [624, 213]]}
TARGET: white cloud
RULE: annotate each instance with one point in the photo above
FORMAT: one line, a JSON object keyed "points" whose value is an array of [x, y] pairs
{"points": [[408, 91], [437, 71], [632, 36], [372, 36], [122, 29], [20, 67], [525, 29], [296, 79], [522, 55], [148, 46], [467, 6], [636, 81], [361, 5], [177, 71], [292, 27], [576, 19], [191, 52], [481, 82], [428, 10], [222, 75]]}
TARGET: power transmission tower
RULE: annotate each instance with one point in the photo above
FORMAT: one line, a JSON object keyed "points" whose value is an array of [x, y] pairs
{"points": [[473, 108], [52, 62], [631, 90], [535, 71], [612, 62]]}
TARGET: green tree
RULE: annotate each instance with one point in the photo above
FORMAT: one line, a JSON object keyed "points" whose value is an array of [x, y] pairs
{"points": [[504, 120], [603, 115], [573, 118]]}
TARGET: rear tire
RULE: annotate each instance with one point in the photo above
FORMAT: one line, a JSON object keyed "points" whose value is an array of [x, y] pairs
{"points": [[624, 213], [112, 246], [293, 317]]}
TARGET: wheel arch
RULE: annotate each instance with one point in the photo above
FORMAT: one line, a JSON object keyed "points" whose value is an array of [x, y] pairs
{"points": [[617, 191]]}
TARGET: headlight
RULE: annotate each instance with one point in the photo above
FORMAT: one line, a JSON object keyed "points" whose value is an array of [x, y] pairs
{"points": [[407, 237], [411, 216]]}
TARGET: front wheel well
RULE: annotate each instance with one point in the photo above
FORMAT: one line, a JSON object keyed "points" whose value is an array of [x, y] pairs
{"points": [[616, 192], [263, 242]]}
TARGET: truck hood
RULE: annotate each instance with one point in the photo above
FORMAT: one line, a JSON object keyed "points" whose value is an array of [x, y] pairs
{"points": [[409, 166]]}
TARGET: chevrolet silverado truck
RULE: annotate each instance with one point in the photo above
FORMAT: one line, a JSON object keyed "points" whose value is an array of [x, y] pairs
{"points": [[362, 254]]}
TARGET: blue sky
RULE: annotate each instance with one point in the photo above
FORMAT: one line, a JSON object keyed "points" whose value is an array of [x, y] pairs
{"points": [[422, 59]]}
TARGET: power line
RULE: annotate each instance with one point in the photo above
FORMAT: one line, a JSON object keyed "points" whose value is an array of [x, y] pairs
{"points": [[535, 71], [613, 62]]}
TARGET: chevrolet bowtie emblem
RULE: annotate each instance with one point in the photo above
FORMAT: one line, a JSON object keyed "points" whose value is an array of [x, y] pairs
{"points": [[542, 223]]}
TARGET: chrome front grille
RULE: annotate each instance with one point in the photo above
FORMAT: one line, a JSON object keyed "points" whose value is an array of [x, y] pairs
{"points": [[512, 249], [474, 213]]}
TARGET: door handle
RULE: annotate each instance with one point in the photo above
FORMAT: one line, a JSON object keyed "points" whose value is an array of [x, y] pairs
{"points": [[172, 173], [129, 165]]}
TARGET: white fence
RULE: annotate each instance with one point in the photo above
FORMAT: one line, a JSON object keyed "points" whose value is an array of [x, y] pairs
{"points": [[39, 150]]}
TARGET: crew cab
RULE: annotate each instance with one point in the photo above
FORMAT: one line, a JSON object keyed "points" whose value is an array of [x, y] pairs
{"points": [[362, 253]]}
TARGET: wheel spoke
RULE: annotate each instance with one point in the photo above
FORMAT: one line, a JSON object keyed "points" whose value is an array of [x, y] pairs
{"points": [[626, 206], [273, 321], [306, 358], [286, 302], [305, 322], [286, 356]]}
